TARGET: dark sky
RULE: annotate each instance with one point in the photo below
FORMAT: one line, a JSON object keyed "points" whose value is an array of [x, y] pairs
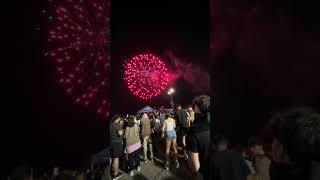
{"points": [[43, 125], [265, 58], [156, 27]]}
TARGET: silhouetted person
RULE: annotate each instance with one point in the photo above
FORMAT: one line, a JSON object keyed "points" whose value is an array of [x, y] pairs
{"points": [[116, 133], [183, 123], [198, 139], [227, 164], [296, 145], [261, 162]]}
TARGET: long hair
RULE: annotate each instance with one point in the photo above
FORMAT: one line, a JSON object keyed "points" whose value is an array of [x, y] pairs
{"points": [[145, 116]]}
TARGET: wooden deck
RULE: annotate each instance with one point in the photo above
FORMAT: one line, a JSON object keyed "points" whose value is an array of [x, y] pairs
{"points": [[155, 170]]}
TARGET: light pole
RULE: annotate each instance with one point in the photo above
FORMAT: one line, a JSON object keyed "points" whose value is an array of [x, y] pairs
{"points": [[171, 92]]}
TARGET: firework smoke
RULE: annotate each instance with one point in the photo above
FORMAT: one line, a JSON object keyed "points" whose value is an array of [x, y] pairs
{"points": [[193, 74]]}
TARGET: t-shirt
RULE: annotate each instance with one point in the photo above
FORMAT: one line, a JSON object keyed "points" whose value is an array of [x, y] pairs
{"points": [[114, 128], [199, 142], [162, 116], [182, 118], [229, 165]]}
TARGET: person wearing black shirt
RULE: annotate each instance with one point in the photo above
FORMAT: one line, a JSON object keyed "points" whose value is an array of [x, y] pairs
{"points": [[198, 139], [227, 164], [116, 133], [181, 115]]}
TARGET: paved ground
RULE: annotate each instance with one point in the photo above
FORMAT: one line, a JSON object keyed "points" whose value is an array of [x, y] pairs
{"points": [[155, 170]]}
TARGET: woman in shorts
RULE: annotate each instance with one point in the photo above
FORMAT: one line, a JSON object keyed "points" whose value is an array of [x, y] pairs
{"points": [[168, 130]]}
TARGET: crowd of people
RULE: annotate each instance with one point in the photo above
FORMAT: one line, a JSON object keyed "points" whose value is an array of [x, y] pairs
{"points": [[135, 133], [290, 149]]}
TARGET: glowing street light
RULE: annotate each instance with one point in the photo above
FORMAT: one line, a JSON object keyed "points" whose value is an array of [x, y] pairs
{"points": [[171, 92]]}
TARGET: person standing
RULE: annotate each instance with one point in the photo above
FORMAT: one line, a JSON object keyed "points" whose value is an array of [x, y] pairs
{"points": [[198, 139], [116, 132], [228, 164], [133, 145], [190, 114], [168, 130], [184, 125], [261, 162], [146, 135]]}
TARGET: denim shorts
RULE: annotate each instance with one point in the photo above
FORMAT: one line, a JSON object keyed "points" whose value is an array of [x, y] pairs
{"points": [[171, 135]]}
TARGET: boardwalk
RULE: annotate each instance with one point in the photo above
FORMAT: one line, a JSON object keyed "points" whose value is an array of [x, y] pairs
{"points": [[155, 170]]}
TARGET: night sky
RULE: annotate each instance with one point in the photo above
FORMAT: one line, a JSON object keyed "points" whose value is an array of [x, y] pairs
{"points": [[265, 58], [180, 27], [44, 126]]}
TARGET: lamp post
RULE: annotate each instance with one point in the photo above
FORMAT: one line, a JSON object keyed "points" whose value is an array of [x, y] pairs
{"points": [[170, 93]]}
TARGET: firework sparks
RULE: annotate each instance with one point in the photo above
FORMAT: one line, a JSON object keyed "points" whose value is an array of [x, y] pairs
{"points": [[146, 75], [78, 43]]}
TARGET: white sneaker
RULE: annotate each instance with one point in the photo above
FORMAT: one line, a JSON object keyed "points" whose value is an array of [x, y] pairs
{"points": [[177, 164], [186, 156], [131, 173], [138, 169], [167, 166]]}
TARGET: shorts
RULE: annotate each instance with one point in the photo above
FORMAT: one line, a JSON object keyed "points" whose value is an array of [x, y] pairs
{"points": [[171, 135], [184, 131], [116, 149]]}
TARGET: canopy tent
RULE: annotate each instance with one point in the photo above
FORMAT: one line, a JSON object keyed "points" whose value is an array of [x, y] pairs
{"points": [[146, 109]]}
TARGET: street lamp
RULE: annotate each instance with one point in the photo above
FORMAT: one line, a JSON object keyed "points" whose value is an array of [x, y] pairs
{"points": [[170, 93]]}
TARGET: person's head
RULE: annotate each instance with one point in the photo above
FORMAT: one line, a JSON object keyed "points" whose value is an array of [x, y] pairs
{"points": [[168, 115], [179, 106], [255, 146], [116, 118], [189, 108], [221, 143], [202, 104], [145, 116], [297, 133], [131, 120]]}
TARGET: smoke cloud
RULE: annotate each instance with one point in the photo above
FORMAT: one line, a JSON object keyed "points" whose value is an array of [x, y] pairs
{"points": [[193, 74]]}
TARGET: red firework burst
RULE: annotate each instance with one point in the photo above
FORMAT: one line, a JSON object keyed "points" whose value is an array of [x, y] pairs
{"points": [[146, 75], [78, 42]]}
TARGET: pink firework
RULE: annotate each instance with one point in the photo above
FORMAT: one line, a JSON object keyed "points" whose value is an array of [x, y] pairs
{"points": [[78, 43], [146, 75]]}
